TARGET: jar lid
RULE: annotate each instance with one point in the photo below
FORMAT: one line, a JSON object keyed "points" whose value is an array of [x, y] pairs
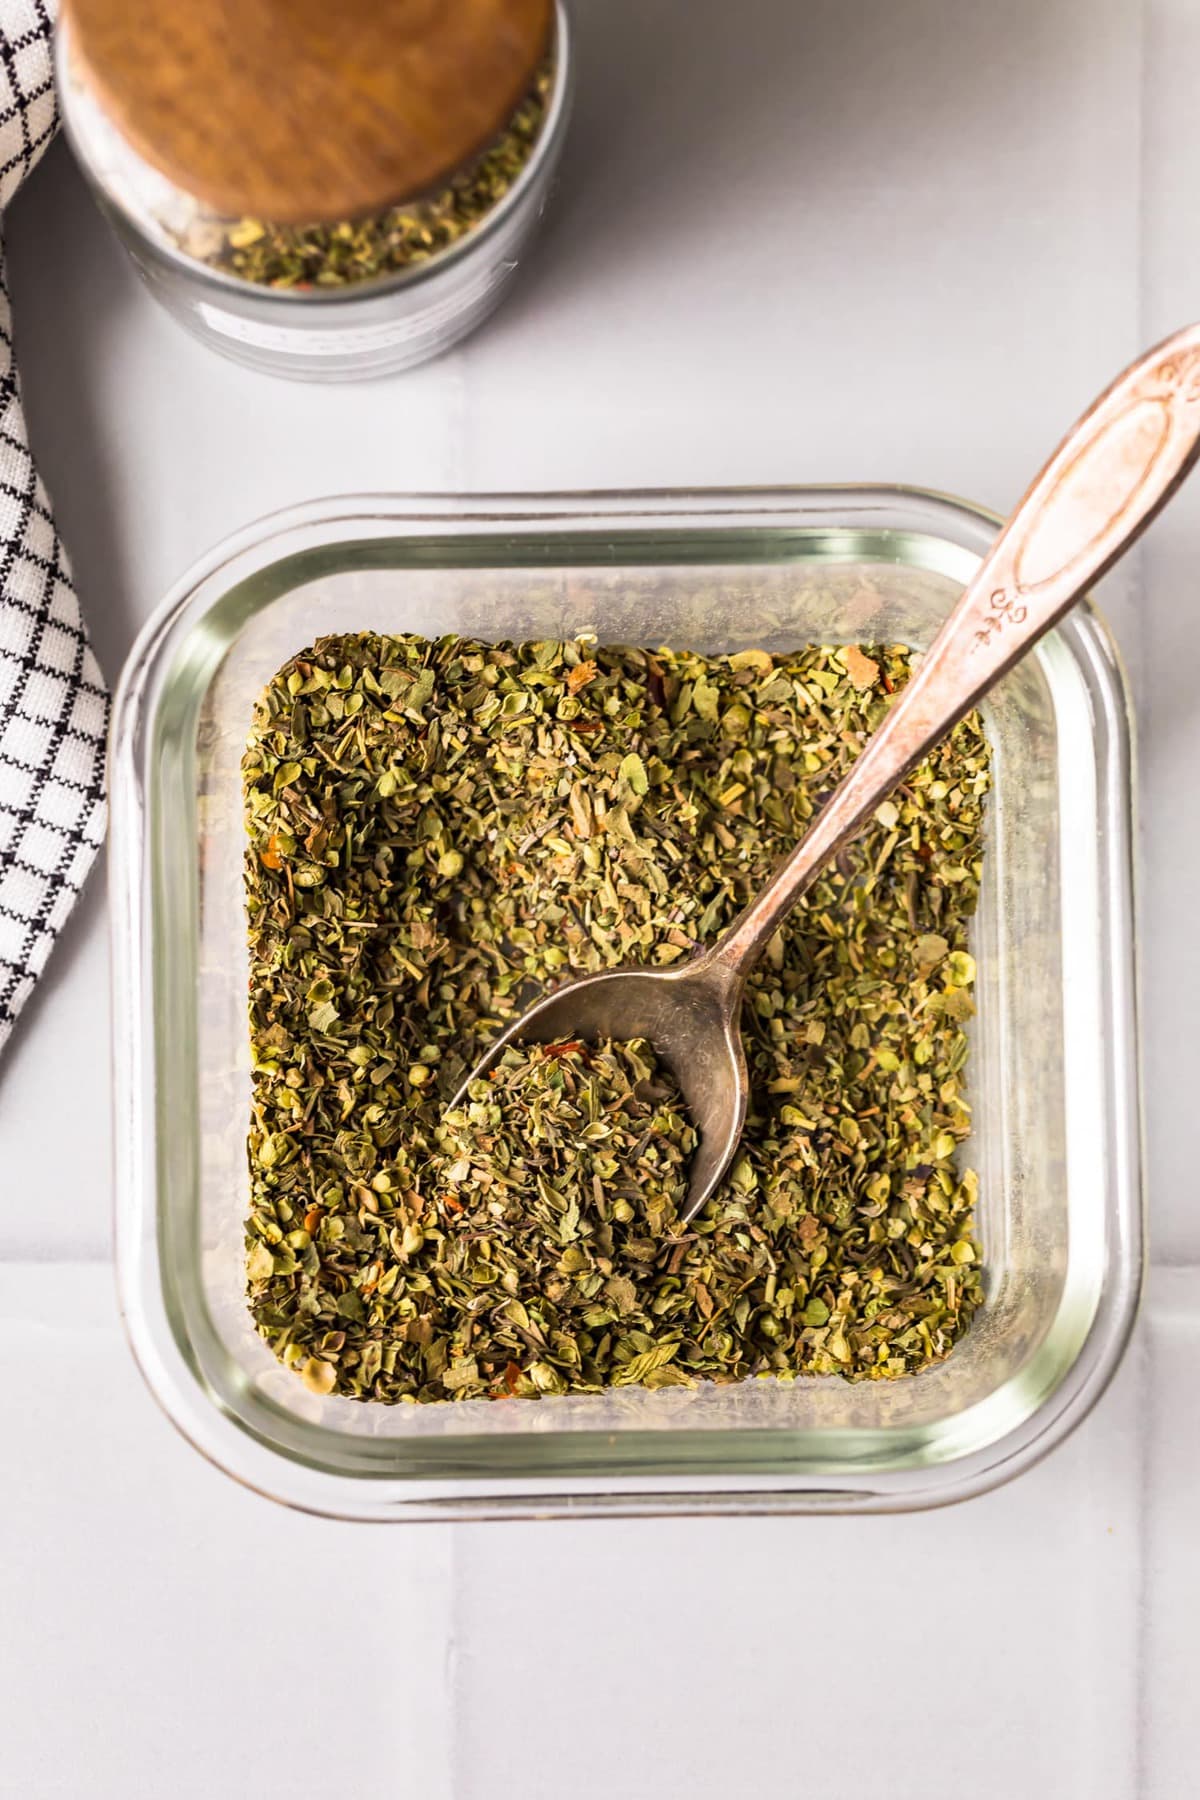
{"points": [[302, 110]]}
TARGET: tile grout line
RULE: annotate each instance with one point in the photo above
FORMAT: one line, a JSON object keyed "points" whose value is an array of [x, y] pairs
{"points": [[1143, 1351]]}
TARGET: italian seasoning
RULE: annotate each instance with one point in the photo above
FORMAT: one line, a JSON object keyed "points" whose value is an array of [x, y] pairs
{"points": [[438, 830], [343, 254]]}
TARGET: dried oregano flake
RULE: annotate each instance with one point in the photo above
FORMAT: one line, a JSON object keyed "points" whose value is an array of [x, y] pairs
{"points": [[437, 831]]}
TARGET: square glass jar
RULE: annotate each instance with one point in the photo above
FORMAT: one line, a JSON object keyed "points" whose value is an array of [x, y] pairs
{"points": [[1052, 1075]]}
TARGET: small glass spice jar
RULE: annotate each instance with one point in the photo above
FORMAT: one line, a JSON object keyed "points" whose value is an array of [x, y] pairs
{"points": [[272, 257]]}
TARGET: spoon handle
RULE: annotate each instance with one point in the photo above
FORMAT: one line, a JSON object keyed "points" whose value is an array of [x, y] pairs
{"points": [[1101, 488]]}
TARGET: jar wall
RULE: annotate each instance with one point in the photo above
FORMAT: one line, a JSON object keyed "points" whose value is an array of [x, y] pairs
{"points": [[1052, 1073]]}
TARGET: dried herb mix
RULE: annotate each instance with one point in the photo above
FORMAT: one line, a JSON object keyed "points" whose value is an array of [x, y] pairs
{"points": [[340, 255], [438, 830]]}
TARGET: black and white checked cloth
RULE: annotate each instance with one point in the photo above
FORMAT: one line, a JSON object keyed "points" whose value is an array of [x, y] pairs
{"points": [[53, 706]]}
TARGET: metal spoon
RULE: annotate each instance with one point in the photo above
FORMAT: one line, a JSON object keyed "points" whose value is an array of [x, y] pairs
{"points": [[1106, 481]]}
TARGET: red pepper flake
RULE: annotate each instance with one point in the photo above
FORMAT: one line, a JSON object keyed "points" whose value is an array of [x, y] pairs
{"points": [[567, 1049], [270, 857], [512, 1374], [580, 675]]}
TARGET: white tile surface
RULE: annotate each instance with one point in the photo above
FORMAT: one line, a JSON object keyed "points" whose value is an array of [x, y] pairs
{"points": [[952, 1652], [843, 239], [1170, 1484], [165, 1632], [159, 1619], [1169, 606]]}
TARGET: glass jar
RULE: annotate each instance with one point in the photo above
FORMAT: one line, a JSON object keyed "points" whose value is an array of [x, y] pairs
{"points": [[1052, 1077], [371, 326]]}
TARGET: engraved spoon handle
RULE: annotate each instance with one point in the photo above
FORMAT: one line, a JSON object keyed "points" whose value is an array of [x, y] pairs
{"points": [[1101, 488]]}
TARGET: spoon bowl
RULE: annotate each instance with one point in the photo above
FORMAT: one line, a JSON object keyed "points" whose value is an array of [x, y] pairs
{"points": [[692, 1017], [1108, 478]]}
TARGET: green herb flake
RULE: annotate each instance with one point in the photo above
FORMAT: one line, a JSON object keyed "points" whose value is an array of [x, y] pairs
{"points": [[437, 831]]}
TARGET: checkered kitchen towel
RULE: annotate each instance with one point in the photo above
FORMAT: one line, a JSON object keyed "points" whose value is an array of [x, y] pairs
{"points": [[53, 707]]}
